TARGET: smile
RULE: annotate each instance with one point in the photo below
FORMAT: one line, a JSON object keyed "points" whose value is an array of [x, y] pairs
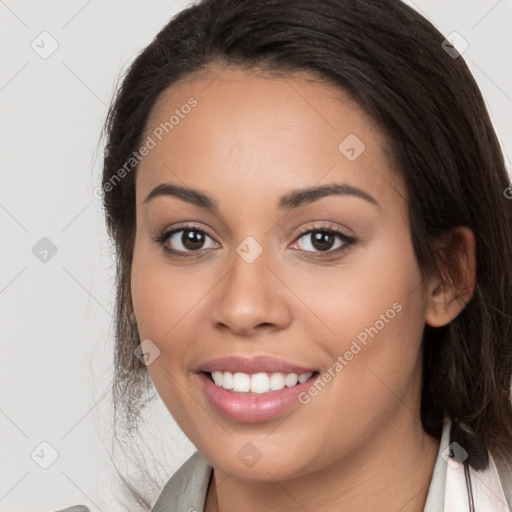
{"points": [[243, 404], [258, 383]]}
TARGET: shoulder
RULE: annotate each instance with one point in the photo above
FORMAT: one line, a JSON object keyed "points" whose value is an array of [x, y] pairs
{"points": [[187, 487], [185, 490]]}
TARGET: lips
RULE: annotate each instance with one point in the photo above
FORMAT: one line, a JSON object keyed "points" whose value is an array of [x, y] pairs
{"points": [[252, 365], [249, 407]]}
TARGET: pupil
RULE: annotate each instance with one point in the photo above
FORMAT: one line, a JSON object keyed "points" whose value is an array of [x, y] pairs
{"points": [[192, 239], [323, 240]]}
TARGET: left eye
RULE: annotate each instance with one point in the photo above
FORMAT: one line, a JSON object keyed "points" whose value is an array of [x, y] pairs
{"points": [[323, 239]]}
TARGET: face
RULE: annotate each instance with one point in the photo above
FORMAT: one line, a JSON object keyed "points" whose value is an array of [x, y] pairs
{"points": [[328, 283]]}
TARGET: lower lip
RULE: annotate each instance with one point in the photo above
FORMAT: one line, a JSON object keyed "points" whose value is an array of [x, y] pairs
{"points": [[252, 408]]}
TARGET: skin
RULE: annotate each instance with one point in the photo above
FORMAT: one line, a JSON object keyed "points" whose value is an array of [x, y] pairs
{"points": [[358, 445]]}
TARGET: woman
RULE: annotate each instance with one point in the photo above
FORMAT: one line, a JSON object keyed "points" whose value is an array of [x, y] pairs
{"points": [[313, 255]]}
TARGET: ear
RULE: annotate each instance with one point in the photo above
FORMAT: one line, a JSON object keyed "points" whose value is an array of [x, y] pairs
{"points": [[448, 294]]}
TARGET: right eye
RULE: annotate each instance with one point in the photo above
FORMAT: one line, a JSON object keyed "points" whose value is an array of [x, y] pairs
{"points": [[184, 239]]}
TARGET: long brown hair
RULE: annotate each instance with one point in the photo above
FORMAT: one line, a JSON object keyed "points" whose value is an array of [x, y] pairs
{"points": [[392, 62]]}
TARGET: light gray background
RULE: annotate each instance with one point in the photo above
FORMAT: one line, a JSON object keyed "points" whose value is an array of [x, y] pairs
{"points": [[56, 315]]}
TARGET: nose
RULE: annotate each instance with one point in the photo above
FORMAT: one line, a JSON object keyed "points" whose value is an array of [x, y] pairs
{"points": [[252, 298]]}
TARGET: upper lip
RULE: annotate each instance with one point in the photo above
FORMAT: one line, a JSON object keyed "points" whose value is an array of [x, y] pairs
{"points": [[251, 365]]}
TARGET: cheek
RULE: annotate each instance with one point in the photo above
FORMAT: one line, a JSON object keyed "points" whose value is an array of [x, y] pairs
{"points": [[366, 289], [158, 309], [372, 317], [167, 300], [144, 294], [162, 294], [375, 317]]}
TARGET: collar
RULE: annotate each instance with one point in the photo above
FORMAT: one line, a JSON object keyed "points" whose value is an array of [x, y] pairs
{"points": [[486, 487], [448, 491]]}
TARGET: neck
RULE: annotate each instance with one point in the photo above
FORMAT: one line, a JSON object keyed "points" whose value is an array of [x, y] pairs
{"points": [[392, 472]]}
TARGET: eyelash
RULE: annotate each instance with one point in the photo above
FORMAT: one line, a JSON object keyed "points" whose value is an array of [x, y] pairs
{"points": [[348, 240]]}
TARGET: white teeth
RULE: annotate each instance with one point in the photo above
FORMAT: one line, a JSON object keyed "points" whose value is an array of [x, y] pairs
{"points": [[277, 381], [303, 377], [227, 380], [258, 382], [241, 382], [217, 378], [291, 379]]}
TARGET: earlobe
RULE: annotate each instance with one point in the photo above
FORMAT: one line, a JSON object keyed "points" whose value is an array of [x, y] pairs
{"points": [[448, 294]]}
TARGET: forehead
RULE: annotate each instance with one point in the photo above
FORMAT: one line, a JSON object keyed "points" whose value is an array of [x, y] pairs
{"points": [[232, 129]]}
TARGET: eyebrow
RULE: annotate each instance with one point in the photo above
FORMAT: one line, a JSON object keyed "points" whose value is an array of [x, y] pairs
{"points": [[289, 201]]}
